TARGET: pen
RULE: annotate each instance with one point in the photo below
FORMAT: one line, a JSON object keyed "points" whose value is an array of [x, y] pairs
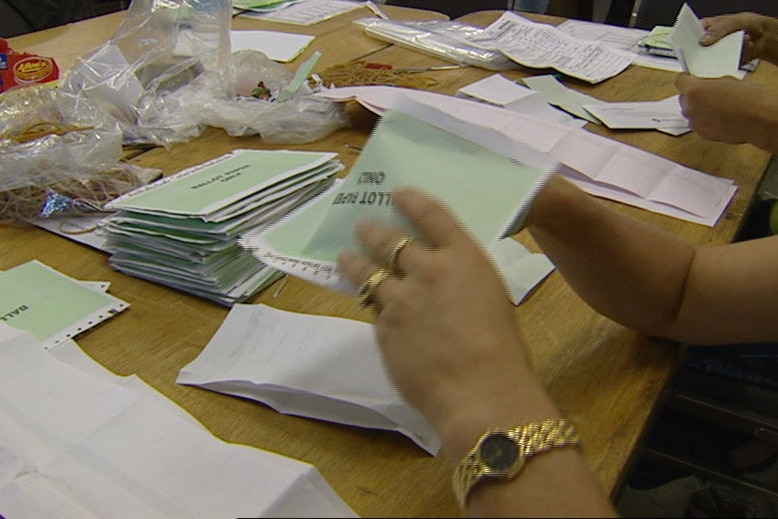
{"points": [[426, 69]]}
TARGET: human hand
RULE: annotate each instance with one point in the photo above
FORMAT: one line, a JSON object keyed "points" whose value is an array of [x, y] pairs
{"points": [[724, 109], [445, 326], [755, 27]]}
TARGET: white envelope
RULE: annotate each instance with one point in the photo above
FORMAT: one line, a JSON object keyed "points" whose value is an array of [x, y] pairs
{"points": [[320, 367]]}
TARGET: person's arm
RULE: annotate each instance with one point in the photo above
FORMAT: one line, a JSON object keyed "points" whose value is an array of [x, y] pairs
{"points": [[761, 34], [450, 342], [655, 282], [729, 110]]}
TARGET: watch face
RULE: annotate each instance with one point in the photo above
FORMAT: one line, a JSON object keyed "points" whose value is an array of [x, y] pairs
{"points": [[499, 453]]}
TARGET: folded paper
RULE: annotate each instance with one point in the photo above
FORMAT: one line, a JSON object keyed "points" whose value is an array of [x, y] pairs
{"points": [[712, 61], [77, 442], [320, 367]]}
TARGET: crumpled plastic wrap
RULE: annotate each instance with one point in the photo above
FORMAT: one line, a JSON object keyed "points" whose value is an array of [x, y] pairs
{"points": [[166, 74], [302, 118], [59, 156]]}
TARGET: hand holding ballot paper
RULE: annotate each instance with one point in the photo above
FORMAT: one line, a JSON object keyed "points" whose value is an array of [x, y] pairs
{"points": [[487, 180], [721, 58], [719, 107]]}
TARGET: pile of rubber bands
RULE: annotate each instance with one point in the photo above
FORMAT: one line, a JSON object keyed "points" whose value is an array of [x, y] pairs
{"points": [[359, 73]]}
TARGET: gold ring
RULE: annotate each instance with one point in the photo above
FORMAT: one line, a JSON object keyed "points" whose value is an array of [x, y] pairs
{"points": [[395, 252], [368, 289]]}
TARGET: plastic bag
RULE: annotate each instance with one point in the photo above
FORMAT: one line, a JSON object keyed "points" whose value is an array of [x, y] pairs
{"points": [[59, 158], [448, 40], [302, 118], [168, 72]]}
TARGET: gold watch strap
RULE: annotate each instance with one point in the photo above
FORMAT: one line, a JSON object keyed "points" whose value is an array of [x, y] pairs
{"points": [[530, 438]]}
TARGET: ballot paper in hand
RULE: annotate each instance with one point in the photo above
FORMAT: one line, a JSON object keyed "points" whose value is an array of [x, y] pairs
{"points": [[712, 61], [487, 180], [307, 365], [77, 441], [183, 231]]}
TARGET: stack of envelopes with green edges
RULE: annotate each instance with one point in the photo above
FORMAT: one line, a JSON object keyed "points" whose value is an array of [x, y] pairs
{"points": [[183, 230]]}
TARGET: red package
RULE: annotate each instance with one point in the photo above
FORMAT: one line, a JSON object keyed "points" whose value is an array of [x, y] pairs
{"points": [[19, 69]]}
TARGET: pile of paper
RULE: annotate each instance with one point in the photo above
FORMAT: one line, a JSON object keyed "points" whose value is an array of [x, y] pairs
{"points": [[78, 441], [183, 230]]}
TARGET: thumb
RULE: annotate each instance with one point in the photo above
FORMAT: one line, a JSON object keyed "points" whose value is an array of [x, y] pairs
{"points": [[683, 81], [708, 38]]}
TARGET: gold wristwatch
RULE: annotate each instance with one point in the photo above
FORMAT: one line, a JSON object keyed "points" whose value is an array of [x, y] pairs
{"points": [[500, 454]]}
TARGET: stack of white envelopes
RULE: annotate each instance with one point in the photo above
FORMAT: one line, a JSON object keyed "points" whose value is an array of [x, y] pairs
{"points": [[183, 230]]}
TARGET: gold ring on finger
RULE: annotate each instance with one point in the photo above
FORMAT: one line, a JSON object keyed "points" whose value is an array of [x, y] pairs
{"points": [[394, 254], [368, 289]]}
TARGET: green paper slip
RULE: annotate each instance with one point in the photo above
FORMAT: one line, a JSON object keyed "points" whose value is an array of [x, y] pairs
{"points": [[256, 4], [487, 181], [51, 305]]}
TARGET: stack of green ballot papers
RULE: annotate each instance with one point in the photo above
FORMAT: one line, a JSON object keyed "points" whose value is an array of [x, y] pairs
{"points": [[486, 179], [183, 230]]}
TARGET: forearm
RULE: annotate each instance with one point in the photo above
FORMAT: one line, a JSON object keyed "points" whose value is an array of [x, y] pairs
{"points": [[731, 292], [761, 119], [626, 270]]}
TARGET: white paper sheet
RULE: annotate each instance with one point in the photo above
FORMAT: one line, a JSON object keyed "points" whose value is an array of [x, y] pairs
{"points": [[620, 38], [74, 445], [557, 94], [308, 12], [503, 92], [599, 165], [627, 39], [84, 229], [521, 270], [320, 367], [278, 46], [641, 115], [541, 45]]}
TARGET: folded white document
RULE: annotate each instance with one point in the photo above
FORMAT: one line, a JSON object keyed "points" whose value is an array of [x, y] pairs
{"points": [[320, 367], [77, 441]]}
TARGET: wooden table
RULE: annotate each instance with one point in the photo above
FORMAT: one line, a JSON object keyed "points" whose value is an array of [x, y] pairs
{"points": [[608, 379]]}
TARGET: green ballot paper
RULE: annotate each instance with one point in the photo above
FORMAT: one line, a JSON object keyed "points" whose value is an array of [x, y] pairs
{"points": [[50, 305], [486, 180]]}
